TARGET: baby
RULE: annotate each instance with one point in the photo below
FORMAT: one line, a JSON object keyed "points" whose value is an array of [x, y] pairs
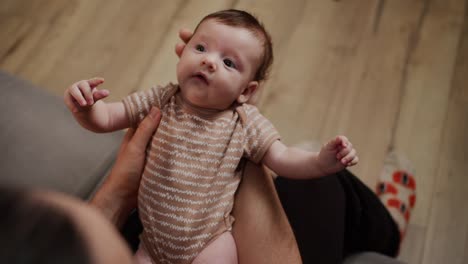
{"points": [[207, 128]]}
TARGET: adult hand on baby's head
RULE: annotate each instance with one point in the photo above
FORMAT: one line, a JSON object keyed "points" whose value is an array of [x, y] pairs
{"points": [[118, 194], [185, 35]]}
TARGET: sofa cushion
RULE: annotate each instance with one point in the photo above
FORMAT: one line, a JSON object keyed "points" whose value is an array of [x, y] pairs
{"points": [[43, 146], [371, 258]]}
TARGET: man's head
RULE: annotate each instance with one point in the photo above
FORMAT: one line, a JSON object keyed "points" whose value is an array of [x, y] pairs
{"points": [[48, 227], [228, 56]]}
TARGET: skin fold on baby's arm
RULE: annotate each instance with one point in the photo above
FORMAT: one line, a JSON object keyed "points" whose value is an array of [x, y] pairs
{"points": [[83, 99]]}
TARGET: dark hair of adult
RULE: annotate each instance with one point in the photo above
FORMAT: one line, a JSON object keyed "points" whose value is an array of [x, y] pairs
{"points": [[34, 232]]}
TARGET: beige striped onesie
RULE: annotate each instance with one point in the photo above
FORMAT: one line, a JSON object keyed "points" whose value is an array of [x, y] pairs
{"points": [[193, 170]]}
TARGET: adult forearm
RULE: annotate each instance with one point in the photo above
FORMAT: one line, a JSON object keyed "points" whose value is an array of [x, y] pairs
{"points": [[117, 196], [115, 207]]}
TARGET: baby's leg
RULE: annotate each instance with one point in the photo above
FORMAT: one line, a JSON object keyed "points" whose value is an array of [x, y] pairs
{"points": [[221, 250], [141, 256]]}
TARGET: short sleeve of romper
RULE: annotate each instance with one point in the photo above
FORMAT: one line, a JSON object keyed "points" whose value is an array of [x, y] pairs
{"points": [[138, 104], [260, 134]]}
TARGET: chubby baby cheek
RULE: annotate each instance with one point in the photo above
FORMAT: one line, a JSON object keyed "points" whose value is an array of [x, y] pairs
{"points": [[179, 72]]}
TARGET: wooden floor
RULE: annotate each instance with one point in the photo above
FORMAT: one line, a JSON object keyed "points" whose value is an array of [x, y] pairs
{"points": [[388, 74]]}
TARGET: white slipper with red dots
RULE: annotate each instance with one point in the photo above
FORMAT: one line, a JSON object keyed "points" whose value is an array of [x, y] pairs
{"points": [[396, 189]]}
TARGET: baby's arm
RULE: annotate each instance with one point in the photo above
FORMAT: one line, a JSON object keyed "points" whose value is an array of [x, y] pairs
{"points": [[83, 99], [290, 162]]}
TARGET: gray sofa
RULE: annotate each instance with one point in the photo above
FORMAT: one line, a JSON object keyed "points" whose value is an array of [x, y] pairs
{"points": [[43, 147]]}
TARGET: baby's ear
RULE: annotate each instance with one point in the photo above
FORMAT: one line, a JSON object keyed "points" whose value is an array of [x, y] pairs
{"points": [[248, 92]]}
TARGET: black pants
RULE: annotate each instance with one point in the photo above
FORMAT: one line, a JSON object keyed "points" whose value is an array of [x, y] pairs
{"points": [[332, 217], [335, 216]]}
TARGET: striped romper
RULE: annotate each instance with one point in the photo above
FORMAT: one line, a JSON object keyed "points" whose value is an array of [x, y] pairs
{"points": [[192, 172]]}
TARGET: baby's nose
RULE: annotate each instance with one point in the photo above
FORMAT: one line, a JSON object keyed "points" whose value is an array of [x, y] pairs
{"points": [[209, 62]]}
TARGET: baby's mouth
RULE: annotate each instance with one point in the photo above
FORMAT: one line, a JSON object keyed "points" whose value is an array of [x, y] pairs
{"points": [[201, 77]]}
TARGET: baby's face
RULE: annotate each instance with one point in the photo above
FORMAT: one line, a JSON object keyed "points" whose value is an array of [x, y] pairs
{"points": [[218, 65]]}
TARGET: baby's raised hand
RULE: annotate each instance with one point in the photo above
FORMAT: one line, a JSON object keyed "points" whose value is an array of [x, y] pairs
{"points": [[82, 95], [336, 155]]}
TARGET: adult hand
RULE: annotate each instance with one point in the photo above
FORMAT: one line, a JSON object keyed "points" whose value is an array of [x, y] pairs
{"points": [[185, 35], [118, 194]]}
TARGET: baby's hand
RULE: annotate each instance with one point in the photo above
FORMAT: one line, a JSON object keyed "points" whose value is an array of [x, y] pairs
{"points": [[336, 155], [82, 95]]}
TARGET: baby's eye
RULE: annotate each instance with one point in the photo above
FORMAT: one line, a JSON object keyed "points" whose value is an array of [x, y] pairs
{"points": [[200, 48], [229, 63]]}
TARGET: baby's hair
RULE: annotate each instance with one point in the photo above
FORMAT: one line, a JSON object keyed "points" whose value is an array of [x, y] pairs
{"points": [[243, 19]]}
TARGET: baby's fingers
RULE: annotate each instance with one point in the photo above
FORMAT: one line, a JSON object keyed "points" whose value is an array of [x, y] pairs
{"points": [[85, 89], [353, 162], [343, 152], [95, 82], [338, 143], [349, 157], [76, 94], [71, 103], [99, 94], [342, 141]]}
